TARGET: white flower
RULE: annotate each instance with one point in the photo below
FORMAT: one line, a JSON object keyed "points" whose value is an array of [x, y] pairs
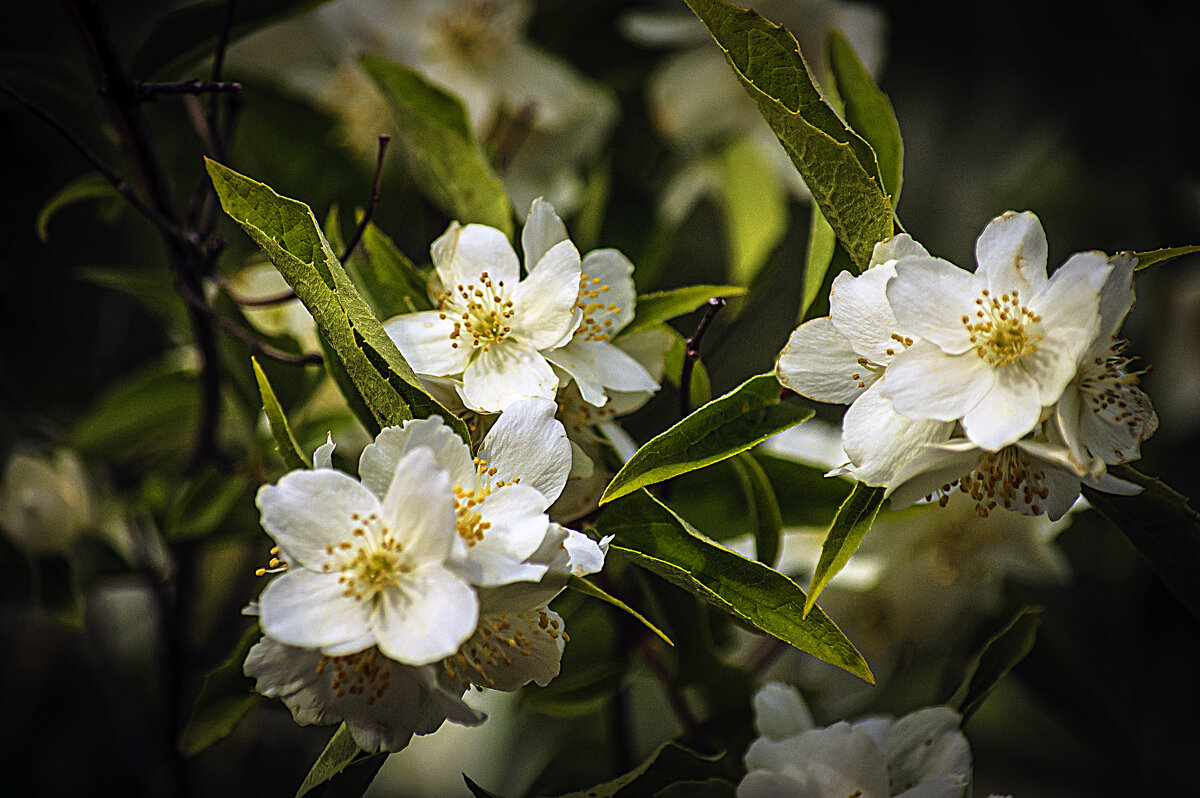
{"points": [[500, 496], [382, 702], [922, 755], [842, 358], [1103, 413], [263, 280], [1031, 476], [997, 345], [490, 327], [366, 570], [45, 503]]}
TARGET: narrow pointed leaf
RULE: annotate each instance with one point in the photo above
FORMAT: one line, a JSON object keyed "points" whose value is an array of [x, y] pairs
{"points": [[285, 442], [90, 186], [999, 656], [342, 769], [654, 308], [447, 161], [1158, 256], [851, 524], [389, 278], [761, 506], [822, 242], [287, 232], [225, 697], [1163, 527], [732, 423], [655, 538], [669, 764], [868, 111], [837, 165], [588, 589]]}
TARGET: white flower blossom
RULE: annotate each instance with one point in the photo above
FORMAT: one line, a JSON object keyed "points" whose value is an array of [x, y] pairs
{"points": [[490, 329], [922, 755], [998, 345], [45, 503], [364, 570], [843, 357]]}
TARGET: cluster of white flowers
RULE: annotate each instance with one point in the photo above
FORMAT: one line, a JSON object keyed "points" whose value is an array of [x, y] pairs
{"points": [[430, 574], [1004, 383], [922, 755]]}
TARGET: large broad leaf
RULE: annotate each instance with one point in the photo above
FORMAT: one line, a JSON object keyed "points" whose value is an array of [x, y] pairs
{"points": [[658, 306], [732, 423], [851, 524], [447, 161], [1163, 527], [755, 205], [588, 589], [1147, 259], [285, 441], [287, 232], [189, 34], [652, 536], [999, 656], [225, 697], [389, 278], [762, 508], [838, 166], [869, 111], [343, 770]]}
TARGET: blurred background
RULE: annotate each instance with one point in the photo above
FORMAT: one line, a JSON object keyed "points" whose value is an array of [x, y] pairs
{"points": [[1085, 113]]}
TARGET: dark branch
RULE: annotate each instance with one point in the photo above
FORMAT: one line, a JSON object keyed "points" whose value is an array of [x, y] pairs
{"points": [[214, 132], [148, 91], [251, 302], [691, 353], [362, 225], [245, 336]]}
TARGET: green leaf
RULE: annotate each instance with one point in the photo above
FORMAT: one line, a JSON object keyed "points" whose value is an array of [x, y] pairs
{"points": [[225, 697], [1163, 527], [447, 161], [288, 233], [669, 764], [389, 279], [755, 205], [838, 166], [868, 111], [851, 524], [90, 186], [152, 288], [285, 442], [999, 656], [478, 791], [655, 538], [203, 502], [342, 769], [822, 242], [354, 399], [659, 306], [188, 35], [588, 589], [762, 508], [1157, 256], [732, 423]]}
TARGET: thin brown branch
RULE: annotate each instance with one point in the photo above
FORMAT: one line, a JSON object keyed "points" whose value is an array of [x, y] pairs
{"points": [[148, 91], [219, 149], [362, 224], [691, 353]]}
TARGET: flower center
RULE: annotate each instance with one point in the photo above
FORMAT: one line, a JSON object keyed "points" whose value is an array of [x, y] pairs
{"points": [[597, 316], [468, 32], [369, 564], [1003, 330], [495, 644], [481, 313], [1111, 392], [468, 520], [1008, 477], [364, 674]]}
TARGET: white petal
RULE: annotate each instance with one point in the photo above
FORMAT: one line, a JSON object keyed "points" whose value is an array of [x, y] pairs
{"points": [[543, 229], [1006, 412], [573, 359], [1067, 419], [780, 711], [480, 249], [879, 440], [859, 309], [894, 248], [1069, 307], [818, 362], [534, 655], [323, 456], [429, 619], [424, 340], [528, 443], [649, 348], [584, 555], [544, 302], [930, 296], [609, 365], [506, 372], [518, 525], [929, 471], [925, 382], [926, 744], [309, 510], [1116, 298], [377, 465], [1011, 252], [311, 610], [610, 274], [419, 507]]}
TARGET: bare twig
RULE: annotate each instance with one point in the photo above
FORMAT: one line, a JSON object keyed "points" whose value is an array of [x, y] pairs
{"points": [[691, 353], [148, 90], [218, 143], [247, 337], [362, 225]]}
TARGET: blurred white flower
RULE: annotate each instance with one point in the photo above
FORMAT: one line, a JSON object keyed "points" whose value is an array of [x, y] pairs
{"points": [[45, 502], [491, 327], [998, 345], [842, 358], [263, 280], [922, 755]]}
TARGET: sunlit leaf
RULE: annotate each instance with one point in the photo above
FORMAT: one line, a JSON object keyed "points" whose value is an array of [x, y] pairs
{"points": [[1160, 256], [851, 524], [285, 442], [999, 656], [654, 308], [390, 280], [655, 538], [822, 242], [343, 770], [732, 423], [755, 204], [588, 589], [225, 697]]}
